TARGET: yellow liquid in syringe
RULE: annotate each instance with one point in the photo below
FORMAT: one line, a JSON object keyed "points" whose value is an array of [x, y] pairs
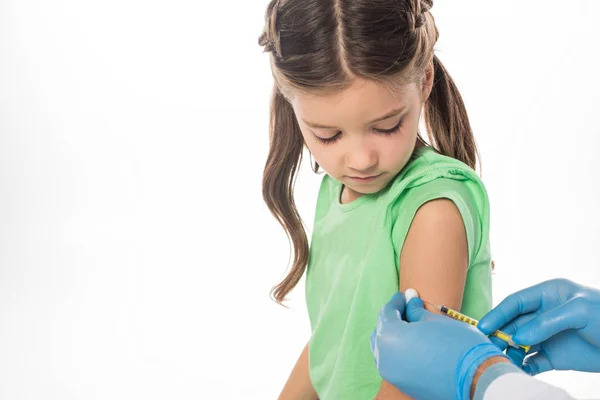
{"points": [[463, 318]]}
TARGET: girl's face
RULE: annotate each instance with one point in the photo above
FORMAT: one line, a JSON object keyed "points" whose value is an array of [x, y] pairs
{"points": [[362, 136]]}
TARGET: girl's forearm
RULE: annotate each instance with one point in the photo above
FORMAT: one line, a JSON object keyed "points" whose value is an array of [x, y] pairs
{"points": [[387, 391], [298, 385]]}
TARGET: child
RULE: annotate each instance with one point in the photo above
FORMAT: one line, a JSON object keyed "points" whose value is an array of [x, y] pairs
{"points": [[351, 78]]}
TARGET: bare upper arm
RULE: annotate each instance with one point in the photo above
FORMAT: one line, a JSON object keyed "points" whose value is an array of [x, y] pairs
{"points": [[434, 261], [435, 257]]}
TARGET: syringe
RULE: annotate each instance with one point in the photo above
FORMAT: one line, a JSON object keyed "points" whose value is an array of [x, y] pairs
{"points": [[463, 318]]}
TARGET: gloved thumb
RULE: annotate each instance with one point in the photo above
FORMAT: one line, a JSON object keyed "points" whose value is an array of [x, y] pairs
{"points": [[415, 310], [394, 308]]}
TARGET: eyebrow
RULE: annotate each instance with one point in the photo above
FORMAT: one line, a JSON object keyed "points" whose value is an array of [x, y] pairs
{"points": [[390, 114]]}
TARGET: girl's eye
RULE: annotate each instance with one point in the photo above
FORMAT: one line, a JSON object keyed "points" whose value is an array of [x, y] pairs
{"points": [[330, 139], [390, 131], [334, 138]]}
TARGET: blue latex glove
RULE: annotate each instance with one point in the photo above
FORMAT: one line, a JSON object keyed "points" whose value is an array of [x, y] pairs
{"points": [[430, 357], [559, 317]]}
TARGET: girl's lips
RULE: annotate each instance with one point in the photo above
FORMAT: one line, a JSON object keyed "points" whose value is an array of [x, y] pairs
{"points": [[364, 180]]}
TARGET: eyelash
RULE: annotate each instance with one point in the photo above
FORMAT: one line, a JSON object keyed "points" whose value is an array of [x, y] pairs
{"points": [[386, 132]]}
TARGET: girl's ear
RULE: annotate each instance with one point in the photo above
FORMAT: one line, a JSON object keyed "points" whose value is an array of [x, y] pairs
{"points": [[427, 82]]}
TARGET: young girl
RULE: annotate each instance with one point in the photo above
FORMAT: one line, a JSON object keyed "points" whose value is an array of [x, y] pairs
{"points": [[351, 80]]}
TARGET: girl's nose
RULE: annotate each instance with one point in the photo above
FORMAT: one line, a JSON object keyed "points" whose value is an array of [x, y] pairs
{"points": [[362, 159]]}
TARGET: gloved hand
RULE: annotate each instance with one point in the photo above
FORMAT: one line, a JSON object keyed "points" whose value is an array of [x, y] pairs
{"points": [[433, 356], [559, 317]]}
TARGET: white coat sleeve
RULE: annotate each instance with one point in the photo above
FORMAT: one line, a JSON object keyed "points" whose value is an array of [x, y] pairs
{"points": [[505, 381]]}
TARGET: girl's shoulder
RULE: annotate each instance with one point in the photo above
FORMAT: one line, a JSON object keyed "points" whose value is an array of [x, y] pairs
{"points": [[428, 166], [432, 176]]}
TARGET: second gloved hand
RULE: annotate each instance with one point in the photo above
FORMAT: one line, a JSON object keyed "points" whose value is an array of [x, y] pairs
{"points": [[559, 318], [430, 357]]}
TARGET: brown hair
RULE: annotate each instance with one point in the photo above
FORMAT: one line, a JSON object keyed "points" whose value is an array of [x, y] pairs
{"points": [[321, 46]]}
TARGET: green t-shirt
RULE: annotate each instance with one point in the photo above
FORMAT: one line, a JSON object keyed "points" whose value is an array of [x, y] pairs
{"points": [[353, 267]]}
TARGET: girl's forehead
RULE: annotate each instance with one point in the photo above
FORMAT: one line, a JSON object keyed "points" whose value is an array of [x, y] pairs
{"points": [[362, 101]]}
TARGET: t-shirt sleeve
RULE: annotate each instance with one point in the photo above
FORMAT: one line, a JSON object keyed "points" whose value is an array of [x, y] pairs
{"points": [[469, 196]]}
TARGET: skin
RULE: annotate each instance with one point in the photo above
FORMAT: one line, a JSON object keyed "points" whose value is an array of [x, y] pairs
{"points": [[434, 258], [361, 148], [298, 385]]}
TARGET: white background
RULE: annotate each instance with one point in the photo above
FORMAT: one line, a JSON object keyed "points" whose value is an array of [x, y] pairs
{"points": [[136, 254]]}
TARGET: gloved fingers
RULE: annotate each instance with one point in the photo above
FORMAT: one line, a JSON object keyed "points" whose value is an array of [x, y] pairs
{"points": [[518, 322], [534, 348], [521, 302], [374, 348], [373, 338], [566, 316], [501, 344], [510, 328], [517, 356], [537, 363], [415, 310], [394, 308]]}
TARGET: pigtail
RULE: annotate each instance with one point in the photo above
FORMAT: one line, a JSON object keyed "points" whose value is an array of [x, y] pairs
{"points": [[446, 119], [285, 154]]}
